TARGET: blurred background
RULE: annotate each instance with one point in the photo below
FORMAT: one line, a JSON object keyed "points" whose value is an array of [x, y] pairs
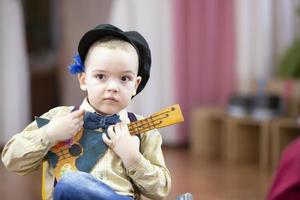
{"points": [[232, 65]]}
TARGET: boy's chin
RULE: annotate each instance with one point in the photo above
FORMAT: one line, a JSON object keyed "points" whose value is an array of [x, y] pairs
{"points": [[108, 111]]}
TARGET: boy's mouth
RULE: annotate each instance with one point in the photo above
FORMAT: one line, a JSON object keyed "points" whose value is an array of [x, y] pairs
{"points": [[110, 99]]}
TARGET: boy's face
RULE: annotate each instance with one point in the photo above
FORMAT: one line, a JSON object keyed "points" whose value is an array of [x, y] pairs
{"points": [[110, 78]]}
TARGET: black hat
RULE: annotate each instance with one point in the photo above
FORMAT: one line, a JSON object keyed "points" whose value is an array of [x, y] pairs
{"points": [[133, 37]]}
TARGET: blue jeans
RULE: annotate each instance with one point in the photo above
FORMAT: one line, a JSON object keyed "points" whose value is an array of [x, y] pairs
{"points": [[83, 186]]}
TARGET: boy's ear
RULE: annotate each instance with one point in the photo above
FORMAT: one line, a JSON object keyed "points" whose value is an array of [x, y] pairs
{"points": [[81, 79], [137, 83]]}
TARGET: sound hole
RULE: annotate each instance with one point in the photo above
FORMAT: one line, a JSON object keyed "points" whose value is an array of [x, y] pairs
{"points": [[75, 150]]}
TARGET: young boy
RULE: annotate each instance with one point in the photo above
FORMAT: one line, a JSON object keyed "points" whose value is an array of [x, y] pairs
{"points": [[113, 66]]}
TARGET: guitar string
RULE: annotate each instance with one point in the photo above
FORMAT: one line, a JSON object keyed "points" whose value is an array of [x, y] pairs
{"points": [[138, 125], [138, 129], [142, 128], [150, 122], [156, 115], [152, 118]]}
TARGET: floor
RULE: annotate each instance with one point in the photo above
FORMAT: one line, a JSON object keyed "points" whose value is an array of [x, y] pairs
{"points": [[206, 180]]}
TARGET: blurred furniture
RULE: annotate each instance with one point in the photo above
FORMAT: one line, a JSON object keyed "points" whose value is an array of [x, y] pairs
{"points": [[248, 137], [289, 90], [207, 128], [216, 135], [247, 140]]}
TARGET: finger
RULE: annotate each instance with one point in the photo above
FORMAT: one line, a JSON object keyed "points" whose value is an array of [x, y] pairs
{"points": [[106, 140], [124, 128], [77, 120], [118, 131], [77, 113], [75, 132], [81, 123], [78, 127], [79, 116], [82, 117], [110, 132], [137, 139]]}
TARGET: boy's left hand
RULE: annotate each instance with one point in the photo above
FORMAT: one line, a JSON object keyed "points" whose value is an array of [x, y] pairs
{"points": [[126, 146]]}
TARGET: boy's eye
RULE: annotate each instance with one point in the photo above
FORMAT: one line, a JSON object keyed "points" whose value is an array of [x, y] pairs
{"points": [[100, 76], [125, 78]]}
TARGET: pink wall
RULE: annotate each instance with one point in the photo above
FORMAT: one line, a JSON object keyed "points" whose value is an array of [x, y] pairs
{"points": [[204, 54]]}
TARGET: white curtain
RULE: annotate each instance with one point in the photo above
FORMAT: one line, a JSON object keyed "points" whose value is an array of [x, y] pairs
{"points": [[153, 20], [264, 29], [253, 43], [14, 76], [286, 25]]}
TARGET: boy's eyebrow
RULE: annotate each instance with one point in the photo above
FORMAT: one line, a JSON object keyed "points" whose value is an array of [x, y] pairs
{"points": [[129, 72], [98, 70], [103, 71]]}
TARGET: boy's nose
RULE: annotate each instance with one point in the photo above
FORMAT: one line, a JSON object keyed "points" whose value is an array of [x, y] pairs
{"points": [[112, 86]]}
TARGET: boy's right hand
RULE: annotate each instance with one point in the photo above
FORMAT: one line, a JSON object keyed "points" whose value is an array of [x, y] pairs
{"points": [[61, 128]]}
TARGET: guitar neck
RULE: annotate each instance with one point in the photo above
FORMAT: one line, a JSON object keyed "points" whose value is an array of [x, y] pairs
{"points": [[163, 118]]}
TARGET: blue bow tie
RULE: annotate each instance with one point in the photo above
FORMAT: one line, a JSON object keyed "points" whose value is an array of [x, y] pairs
{"points": [[95, 121]]}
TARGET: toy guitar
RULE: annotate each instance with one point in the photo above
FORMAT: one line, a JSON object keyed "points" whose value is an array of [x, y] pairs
{"points": [[84, 150]]}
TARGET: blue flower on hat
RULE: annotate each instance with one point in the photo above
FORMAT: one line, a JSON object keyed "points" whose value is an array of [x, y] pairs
{"points": [[77, 66]]}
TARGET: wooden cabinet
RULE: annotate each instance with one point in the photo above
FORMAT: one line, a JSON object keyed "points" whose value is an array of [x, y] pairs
{"points": [[247, 140], [215, 135], [207, 132]]}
